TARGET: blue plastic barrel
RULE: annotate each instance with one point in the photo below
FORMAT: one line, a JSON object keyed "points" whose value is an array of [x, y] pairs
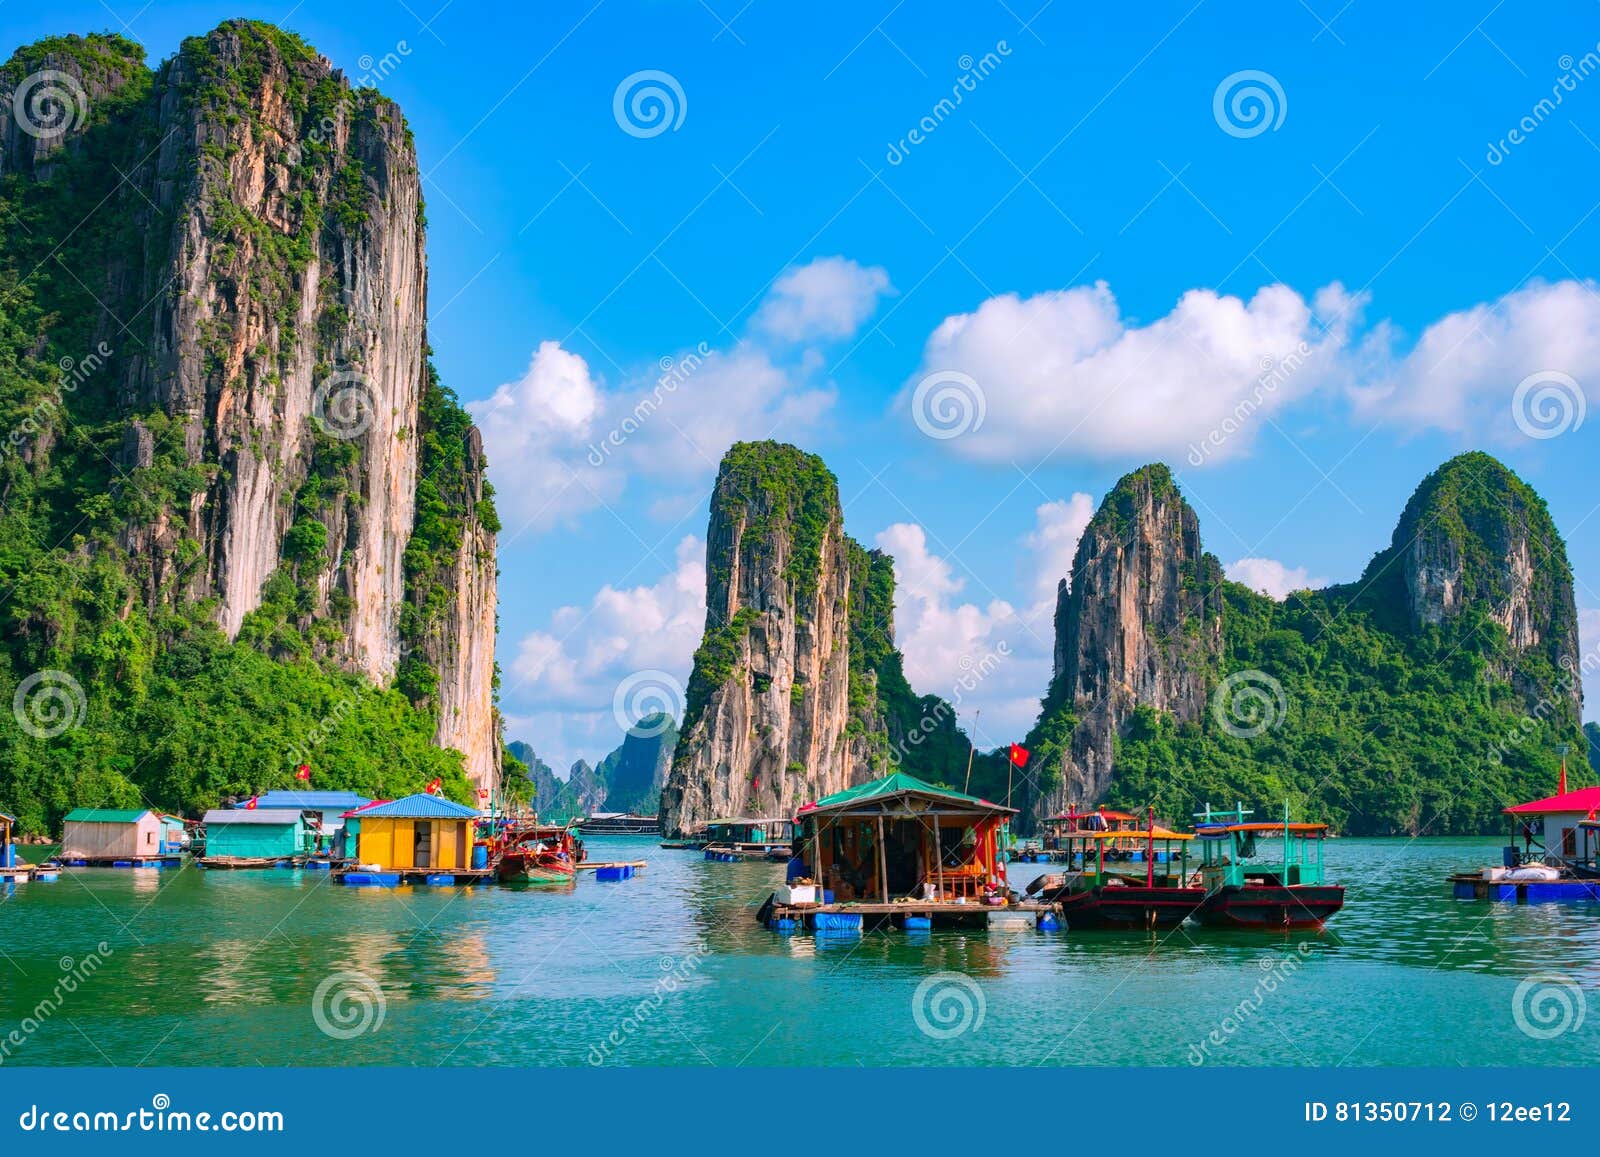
{"points": [[784, 925], [480, 856], [915, 922], [439, 880], [838, 921], [1048, 922]]}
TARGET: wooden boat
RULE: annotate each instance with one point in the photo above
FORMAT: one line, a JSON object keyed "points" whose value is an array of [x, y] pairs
{"points": [[620, 824], [1149, 890], [749, 839], [1275, 896], [537, 854]]}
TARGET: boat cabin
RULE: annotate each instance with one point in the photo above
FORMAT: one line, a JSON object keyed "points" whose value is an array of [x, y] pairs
{"points": [[1098, 820], [745, 836], [899, 837], [1094, 856], [1228, 839], [419, 831]]}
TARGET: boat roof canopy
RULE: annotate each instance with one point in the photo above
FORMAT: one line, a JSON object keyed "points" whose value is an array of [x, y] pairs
{"points": [[1131, 834], [877, 796], [1214, 830]]}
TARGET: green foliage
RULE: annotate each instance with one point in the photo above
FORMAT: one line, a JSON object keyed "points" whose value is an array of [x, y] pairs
{"points": [[783, 492], [715, 660]]}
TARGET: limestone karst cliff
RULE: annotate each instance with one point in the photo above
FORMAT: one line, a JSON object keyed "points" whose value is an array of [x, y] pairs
{"points": [[234, 270], [1423, 697], [797, 688]]}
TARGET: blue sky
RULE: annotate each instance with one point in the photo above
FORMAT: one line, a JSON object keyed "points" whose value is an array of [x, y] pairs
{"points": [[1095, 243]]}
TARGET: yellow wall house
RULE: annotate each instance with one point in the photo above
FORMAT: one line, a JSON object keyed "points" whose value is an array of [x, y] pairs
{"points": [[419, 831]]}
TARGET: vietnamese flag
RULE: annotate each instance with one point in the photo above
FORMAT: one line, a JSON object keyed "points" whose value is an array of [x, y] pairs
{"points": [[303, 771], [1018, 755], [251, 805], [433, 788]]}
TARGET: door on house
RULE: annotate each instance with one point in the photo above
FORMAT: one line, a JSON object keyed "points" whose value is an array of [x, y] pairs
{"points": [[1569, 842], [424, 844]]}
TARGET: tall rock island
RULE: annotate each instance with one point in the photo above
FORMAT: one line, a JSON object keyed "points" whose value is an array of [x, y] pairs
{"points": [[797, 689], [219, 287]]}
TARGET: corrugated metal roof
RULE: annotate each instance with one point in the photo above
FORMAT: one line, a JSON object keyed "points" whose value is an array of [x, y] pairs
{"points": [[106, 815], [420, 807], [900, 784], [310, 800], [279, 816]]}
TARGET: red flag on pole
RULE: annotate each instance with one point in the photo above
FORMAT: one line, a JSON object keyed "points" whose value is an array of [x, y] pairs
{"points": [[483, 793], [1018, 755], [1561, 788], [433, 788], [251, 805], [303, 771]]}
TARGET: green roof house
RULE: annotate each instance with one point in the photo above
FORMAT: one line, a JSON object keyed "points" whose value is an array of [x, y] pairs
{"points": [[114, 835]]}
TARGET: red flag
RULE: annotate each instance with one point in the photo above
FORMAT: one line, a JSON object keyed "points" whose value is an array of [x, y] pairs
{"points": [[251, 806], [1561, 788], [483, 793], [1018, 755], [303, 771], [433, 788]]}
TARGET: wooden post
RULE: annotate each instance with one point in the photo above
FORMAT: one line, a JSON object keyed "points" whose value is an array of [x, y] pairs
{"points": [[972, 747], [883, 864], [1150, 848], [938, 854]]}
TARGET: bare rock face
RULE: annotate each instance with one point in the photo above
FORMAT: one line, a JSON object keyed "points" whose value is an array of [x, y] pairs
{"points": [[767, 723], [268, 332], [1140, 623]]}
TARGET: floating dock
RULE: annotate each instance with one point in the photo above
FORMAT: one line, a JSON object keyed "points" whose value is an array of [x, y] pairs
{"points": [[1469, 886], [134, 862], [395, 877], [867, 917]]}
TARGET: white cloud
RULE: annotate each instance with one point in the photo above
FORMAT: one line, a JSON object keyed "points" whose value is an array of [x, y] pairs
{"points": [[560, 443], [1461, 374], [946, 641], [1065, 373], [562, 680], [827, 299], [1271, 577]]}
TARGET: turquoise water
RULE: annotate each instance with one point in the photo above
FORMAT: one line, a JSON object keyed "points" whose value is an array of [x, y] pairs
{"points": [[670, 968]]}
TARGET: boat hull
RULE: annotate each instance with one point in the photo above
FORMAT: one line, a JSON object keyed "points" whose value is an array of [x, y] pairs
{"points": [[1127, 908], [1276, 908], [515, 869]]}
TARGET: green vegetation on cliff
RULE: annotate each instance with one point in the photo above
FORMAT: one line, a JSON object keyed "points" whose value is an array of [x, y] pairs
{"points": [[160, 708]]}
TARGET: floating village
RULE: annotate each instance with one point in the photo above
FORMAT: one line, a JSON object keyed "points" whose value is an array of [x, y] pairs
{"points": [[895, 853]]}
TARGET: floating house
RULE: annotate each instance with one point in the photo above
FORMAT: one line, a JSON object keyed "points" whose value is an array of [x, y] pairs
{"points": [[746, 838], [11, 865], [257, 837], [419, 837], [897, 850], [1549, 857], [121, 838], [325, 811]]}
